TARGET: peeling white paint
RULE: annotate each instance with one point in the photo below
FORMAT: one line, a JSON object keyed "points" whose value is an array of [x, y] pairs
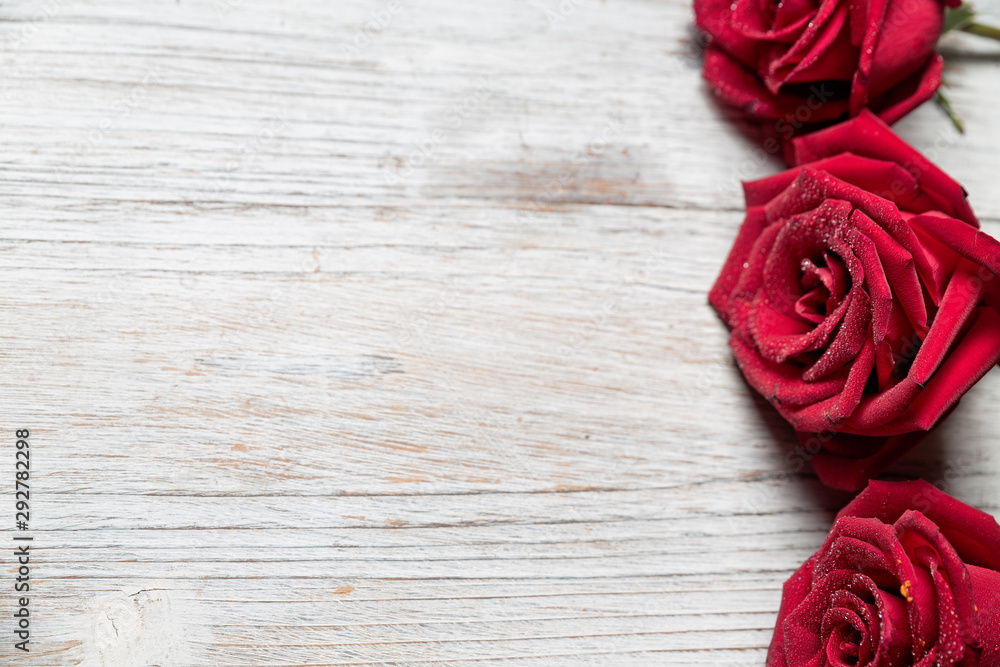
{"points": [[142, 629]]}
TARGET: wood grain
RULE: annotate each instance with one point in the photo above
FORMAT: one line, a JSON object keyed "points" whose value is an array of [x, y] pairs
{"points": [[400, 354]]}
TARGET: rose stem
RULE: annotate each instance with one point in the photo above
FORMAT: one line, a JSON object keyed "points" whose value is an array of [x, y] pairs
{"points": [[981, 30]]}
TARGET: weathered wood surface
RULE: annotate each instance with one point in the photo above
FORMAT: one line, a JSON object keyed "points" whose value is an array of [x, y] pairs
{"points": [[302, 395]]}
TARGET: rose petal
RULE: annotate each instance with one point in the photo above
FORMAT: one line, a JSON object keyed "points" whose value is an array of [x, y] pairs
{"points": [[852, 473], [869, 136], [741, 88], [780, 384], [750, 232], [900, 269], [947, 602], [957, 307], [976, 353], [986, 592], [716, 18], [866, 24], [911, 92], [829, 413], [880, 409], [974, 533], [822, 52], [750, 19], [794, 591], [906, 38], [976, 246], [749, 281]]}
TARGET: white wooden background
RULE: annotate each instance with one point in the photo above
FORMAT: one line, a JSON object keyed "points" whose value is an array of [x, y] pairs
{"points": [[301, 395]]}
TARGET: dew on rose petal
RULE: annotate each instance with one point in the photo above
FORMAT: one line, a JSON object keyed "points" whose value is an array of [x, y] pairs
{"points": [[746, 265]]}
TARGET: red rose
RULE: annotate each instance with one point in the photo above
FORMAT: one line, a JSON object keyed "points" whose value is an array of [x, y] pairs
{"points": [[907, 576], [800, 62], [862, 298]]}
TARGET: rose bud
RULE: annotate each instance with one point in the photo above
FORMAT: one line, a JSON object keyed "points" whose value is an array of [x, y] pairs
{"points": [[862, 298], [802, 64], [907, 576]]}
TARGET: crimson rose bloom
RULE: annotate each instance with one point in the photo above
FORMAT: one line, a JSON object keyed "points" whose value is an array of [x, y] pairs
{"points": [[907, 576], [802, 62], [862, 298]]}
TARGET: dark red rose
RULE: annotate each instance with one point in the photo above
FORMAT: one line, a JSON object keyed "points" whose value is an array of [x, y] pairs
{"points": [[907, 576], [803, 62], [862, 298]]}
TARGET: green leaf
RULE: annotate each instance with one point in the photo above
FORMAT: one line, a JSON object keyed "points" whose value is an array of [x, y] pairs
{"points": [[945, 105], [958, 17]]}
